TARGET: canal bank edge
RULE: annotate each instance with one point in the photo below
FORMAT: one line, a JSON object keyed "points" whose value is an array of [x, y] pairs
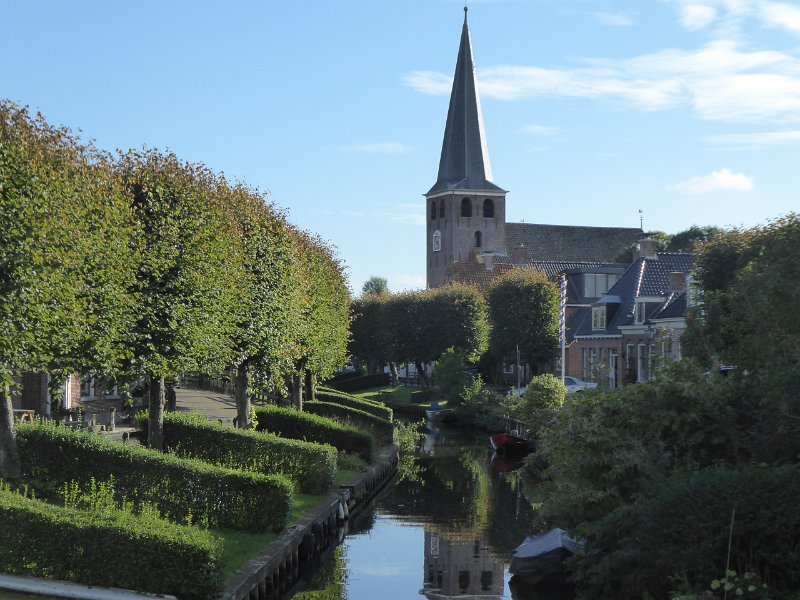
{"points": [[273, 570], [277, 567]]}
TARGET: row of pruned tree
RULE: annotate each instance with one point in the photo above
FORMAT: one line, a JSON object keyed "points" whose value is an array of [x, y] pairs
{"points": [[519, 310], [142, 264]]}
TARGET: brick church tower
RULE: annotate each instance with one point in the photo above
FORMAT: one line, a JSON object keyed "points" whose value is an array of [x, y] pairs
{"points": [[466, 212]]}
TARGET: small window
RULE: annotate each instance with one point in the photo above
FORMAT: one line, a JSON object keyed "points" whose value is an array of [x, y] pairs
{"points": [[466, 207], [437, 240], [640, 312], [441, 208], [598, 318], [478, 238], [488, 208], [433, 209]]}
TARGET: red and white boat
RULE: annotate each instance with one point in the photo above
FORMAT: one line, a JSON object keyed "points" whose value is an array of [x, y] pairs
{"points": [[509, 442]]}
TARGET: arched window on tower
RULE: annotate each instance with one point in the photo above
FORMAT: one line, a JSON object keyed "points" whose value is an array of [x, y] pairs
{"points": [[436, 242], [478, 239], [488, 208], [466, 207], [441, 208], [433, 209]]}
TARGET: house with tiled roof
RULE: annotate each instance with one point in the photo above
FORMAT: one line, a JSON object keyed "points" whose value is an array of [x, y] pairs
{"points": [[468, 237], [640, 319]]}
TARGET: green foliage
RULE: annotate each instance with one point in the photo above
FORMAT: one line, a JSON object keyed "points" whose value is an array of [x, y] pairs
{"points": [[324, 305], [524, 312], [290, 423], [450, 375], [381, 429], [312, 466], [181, 489], [361, 382], [543, 392], [409, 437], [373, 407], [101, 546], [371, 339], [375, 286], [604, 448], [684, 522]]}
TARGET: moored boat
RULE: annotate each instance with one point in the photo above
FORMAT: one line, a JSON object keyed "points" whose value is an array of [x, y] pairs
{"points": [[540, 558], [509, 442]]}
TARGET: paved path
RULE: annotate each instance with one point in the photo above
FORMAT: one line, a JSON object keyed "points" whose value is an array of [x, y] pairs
{"points": [[214, 405]]}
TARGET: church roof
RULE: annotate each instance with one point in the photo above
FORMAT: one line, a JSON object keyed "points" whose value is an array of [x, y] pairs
{"points": [[570, 243], [464, 163]]}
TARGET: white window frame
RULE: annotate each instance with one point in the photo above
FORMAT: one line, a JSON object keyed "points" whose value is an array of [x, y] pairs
{"points": [[640, 312], [598, 318], [437, 241]]}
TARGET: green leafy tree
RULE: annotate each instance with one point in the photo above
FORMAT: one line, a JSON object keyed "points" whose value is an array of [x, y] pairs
{"points": [[266, 347], [370, 336], [524, 312], [451, 374], [375, 285], [66, 253], [325, 321], [189, 278]]}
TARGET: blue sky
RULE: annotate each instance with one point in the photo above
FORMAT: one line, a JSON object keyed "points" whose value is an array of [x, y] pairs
{"points": [[594, 109]]}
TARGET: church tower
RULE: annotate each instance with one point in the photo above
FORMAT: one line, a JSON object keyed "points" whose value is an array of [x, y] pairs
{"points": [[466, 212]]}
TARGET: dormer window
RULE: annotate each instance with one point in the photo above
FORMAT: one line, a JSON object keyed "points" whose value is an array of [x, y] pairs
{"points": [[488, 208], [436, 242], [639, 314], [466, 207], [598, 318]]}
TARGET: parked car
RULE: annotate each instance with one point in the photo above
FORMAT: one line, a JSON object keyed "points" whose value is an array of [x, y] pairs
{"points": [[573, 384]]}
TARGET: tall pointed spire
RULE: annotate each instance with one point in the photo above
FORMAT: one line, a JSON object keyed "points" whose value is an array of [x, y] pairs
{"points": [[464, 163]]}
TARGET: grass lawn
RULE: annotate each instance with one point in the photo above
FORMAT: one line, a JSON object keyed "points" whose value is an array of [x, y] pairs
{"points": [[4, 595]]}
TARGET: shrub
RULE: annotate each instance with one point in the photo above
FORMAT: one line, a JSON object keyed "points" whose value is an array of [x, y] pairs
{"points": [[380, 428], [107, 548], [373, 408], [543, 392], [451, 375], [180, 488], [290, 423], [364, 382], [684, 523], [312, 466]]}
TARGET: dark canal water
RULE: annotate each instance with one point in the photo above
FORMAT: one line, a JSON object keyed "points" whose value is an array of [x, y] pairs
{"points": [[447, 532]]}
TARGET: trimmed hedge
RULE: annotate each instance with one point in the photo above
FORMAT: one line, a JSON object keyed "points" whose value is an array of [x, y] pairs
{"points": [[424, 396], [180, 488], [373, 408], [312, 466], [109, 548], [381, 428], [290, 423], [364, 382]]}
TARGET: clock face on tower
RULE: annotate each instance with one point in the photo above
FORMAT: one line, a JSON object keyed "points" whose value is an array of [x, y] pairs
{"points": [[437, 241]]}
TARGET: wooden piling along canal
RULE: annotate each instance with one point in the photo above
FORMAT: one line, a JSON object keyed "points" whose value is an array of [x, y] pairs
{"points": [[280, 565]]}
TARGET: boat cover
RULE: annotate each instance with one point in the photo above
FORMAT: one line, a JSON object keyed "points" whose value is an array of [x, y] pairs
{"points": [[542, 555]]}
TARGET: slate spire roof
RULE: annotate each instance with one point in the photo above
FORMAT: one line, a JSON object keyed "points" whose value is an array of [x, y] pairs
{"points": [[464, 163]]}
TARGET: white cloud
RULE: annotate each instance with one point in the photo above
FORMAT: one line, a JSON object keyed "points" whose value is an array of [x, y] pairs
{"points": [[724, 179], [429, 82], [778, 14], [721, 80], [697, 16], [614, 19], [378, 148], [758, 139], [540, 130]]}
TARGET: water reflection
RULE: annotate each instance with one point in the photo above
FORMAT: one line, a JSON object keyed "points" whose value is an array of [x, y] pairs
{"points": [[448, 532]]}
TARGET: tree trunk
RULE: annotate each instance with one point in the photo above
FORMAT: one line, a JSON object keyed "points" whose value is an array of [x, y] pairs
{"points": [[297, 391], [9, 457], [155, 422], [421, 374], [243, 397], [311, 386], [393, 371]]}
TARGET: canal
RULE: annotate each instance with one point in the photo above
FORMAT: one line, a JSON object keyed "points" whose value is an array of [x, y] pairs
{"points": [[445, 529]]}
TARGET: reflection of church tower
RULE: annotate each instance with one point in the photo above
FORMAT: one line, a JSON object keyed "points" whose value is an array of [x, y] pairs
{"points": [[457, 565], [465, 210]]}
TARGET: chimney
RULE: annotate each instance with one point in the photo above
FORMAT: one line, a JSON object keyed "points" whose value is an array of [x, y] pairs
{"points": [[677, 281], [645, 248], [519, 255], [488, 262]]}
